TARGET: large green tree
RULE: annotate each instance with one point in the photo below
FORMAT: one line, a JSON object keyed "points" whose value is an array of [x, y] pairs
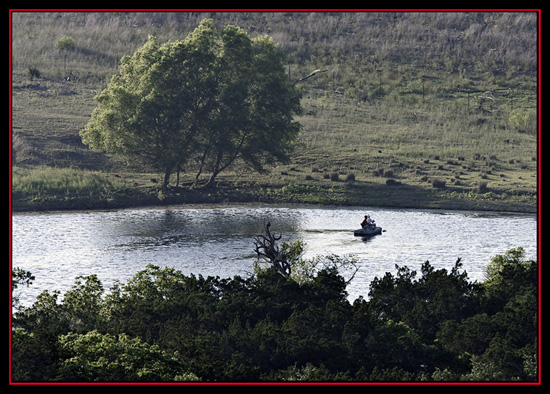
{"points": [[207, 102]]}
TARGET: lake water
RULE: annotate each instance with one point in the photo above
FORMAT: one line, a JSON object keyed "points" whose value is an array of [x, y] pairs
{"points": [[58, 246]]}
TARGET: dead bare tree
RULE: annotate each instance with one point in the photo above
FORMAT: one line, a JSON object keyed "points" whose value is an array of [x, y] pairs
{"points": [[267, 249], [287, 260]]}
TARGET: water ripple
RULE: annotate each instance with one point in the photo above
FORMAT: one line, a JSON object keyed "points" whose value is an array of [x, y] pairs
{"points": [[57, 247]]}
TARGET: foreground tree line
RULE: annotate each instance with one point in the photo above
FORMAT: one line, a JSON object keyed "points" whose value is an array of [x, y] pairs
{"points": [[285, 325]]}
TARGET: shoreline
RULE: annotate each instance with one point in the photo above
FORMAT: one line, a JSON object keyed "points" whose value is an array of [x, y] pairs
{"points": [[252, 204], [399, 199]]}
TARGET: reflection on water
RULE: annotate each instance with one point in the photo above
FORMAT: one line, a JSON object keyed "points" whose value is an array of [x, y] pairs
{"points": [[57, 247]]}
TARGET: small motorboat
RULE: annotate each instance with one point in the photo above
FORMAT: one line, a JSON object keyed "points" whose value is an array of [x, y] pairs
{"points": [[367, 232]]}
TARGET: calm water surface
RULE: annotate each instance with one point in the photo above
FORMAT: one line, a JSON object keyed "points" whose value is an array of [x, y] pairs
{"points": [[58, 246]]}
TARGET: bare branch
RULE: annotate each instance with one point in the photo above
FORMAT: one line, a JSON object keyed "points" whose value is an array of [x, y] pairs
{"points": [[267, 249], [310, 75]]}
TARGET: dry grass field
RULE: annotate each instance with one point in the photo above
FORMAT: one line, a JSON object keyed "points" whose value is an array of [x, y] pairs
{"points": [[434, 110]]}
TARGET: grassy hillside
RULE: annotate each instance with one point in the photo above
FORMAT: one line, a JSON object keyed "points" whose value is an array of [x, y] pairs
{"points": [[417, 109]]}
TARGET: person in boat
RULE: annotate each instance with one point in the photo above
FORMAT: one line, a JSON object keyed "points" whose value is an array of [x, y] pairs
{"points": [[367, 223]]}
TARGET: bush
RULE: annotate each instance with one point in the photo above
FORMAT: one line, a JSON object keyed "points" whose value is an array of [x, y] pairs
{"points": [[392, 182], [383, 172], [350, 177], [34, 73], [103, 357], [481, 187], [65, 42], [438, 183], [334, 176]]}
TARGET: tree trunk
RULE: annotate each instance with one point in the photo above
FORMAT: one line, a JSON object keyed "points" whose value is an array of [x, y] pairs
{"points": [[215, 171], [166, 179], [178, 169], [210, 183]]}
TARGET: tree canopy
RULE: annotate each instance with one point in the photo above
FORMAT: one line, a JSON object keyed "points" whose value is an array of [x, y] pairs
{"points": [[164, 325], [201, 104]]}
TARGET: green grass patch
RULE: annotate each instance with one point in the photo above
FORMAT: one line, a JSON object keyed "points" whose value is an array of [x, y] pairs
{"points": [[54, 188]]}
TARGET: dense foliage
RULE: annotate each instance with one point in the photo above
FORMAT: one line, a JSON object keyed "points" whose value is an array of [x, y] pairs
{"points": [[202, 102], [163, 325]]}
